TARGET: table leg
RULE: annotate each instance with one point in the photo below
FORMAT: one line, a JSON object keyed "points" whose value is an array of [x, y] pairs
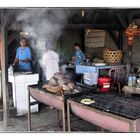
{"points": [[64, 118], [59, 116], [29, 112], [68, 117]]}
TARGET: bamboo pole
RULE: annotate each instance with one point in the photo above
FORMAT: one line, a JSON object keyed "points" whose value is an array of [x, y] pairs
{"points": [[4, 69]]}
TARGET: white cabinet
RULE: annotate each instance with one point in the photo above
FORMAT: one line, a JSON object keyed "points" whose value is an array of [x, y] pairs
{"points": [[20, 83]]}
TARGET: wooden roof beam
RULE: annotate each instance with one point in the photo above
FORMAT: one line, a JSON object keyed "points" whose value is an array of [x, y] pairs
{"points": [[132, 15], [122, 21], [95, 18], [108, 26], [96, 26], [114, 38]]}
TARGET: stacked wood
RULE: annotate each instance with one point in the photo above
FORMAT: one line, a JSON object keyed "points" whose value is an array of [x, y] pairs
{"points": [[94, 52], [95, 38], [94, 43]]}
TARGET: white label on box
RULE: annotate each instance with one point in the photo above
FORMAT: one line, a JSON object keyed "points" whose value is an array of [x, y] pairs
{"points": [[106, 85]]}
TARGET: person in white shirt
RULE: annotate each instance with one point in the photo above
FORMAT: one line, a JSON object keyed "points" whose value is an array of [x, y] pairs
{"points": [[50, 62]]}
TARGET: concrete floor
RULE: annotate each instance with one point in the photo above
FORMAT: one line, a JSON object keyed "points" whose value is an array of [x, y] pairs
{"points": [[46, 121]]}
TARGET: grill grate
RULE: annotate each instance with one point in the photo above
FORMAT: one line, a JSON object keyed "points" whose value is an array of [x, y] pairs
{"points": [[113, 103]]}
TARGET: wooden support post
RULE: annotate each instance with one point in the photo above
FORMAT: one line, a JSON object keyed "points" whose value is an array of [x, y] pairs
{"points": [[68, 116], [29, 112], [83, 39], [120, 40], [94, 19], [114, 38], [122, 20], [64, 118], [129, 68], [4, 69]]}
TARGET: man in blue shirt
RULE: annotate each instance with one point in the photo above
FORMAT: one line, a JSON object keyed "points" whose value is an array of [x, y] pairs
{"points": [[79, 55], [23, 56]]}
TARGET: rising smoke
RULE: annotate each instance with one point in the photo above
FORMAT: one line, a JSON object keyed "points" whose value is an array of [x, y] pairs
{"points": [[44, 25]]}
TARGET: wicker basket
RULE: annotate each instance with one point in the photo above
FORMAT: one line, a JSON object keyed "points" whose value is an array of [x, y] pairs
{"points": [[112, 57]]}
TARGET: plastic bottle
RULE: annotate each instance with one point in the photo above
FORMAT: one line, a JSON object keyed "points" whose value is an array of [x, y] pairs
{"points": [[10, 70], [133, 79], [130, 82]]}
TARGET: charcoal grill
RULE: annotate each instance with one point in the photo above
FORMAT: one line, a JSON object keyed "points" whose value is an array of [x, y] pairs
{"points": [[110, 111], [57, 101]]}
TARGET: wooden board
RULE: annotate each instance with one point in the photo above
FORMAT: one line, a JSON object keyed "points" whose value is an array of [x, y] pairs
{"points": [[92, 33], [94, 45], [94, 38]]}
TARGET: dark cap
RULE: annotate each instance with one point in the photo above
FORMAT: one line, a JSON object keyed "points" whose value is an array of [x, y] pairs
{"points": [[77, 44]]}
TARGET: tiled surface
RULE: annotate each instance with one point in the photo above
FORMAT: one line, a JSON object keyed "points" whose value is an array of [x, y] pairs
{"points": [[32, 78], [21, 95], [20, 79], [20, 91], [34, 108]]}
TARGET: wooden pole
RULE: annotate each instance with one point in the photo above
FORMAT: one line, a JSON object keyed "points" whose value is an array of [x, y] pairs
{"points": [[129, 65], [120, 40], [83, 39], [4, 69]]}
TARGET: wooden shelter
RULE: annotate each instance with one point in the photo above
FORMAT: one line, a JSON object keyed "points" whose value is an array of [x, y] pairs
{"points": [[114, 21]]}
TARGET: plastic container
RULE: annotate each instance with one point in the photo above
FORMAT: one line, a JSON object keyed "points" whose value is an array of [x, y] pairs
{"points": [[10, 70], [133, 79], [104, 82], [130, 81], [90, 79]]}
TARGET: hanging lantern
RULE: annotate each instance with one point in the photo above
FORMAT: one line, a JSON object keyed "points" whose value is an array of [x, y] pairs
{"points": [[130, 38], [130, 32]]}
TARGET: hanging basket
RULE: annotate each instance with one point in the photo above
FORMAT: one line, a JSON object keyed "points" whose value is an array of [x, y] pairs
{"points": [[112, 57]]}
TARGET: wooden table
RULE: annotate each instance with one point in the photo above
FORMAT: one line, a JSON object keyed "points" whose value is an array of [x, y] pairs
{"points": [[104, 118], [57, 101], [49, 99]]}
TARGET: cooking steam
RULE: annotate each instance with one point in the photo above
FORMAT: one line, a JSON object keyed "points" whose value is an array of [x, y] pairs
{"points": [[44, 26]]}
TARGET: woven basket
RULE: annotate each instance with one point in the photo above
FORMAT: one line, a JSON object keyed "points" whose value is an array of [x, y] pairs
{"points": [[112, 57]]}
